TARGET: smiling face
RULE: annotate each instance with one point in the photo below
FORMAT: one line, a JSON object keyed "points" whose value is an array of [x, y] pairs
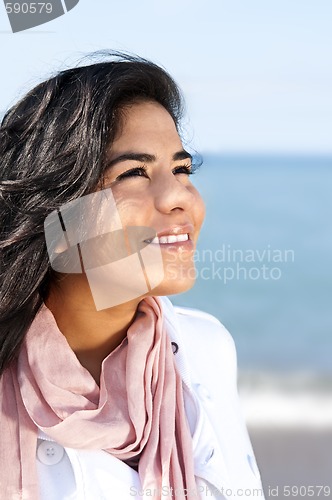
{"points": [[148, 174]]}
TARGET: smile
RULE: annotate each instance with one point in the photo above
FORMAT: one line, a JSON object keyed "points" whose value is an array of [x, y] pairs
{"points": [[167, 239]]}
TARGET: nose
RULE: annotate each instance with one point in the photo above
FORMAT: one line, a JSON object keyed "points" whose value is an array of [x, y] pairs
{"points": [[171, 192]]}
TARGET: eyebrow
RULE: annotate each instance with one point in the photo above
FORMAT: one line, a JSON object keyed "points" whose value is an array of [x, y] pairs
{"points": [[147, 158]]}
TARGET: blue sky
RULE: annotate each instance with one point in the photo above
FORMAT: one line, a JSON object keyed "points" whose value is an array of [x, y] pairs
{"points": [[256, 74]]}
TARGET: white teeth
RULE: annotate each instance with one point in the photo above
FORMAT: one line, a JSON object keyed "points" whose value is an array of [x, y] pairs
{"points": [[182, 237], [167, 239], [172, 238]]}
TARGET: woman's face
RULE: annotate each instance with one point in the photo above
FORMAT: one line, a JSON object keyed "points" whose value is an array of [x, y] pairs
{"points": [[150, 182]]}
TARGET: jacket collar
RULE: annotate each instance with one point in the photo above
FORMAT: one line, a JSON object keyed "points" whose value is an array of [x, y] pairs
{"points": [[174, 333], [205, 442]]}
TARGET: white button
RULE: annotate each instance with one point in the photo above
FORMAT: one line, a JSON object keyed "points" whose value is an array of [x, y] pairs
{"points": [[253, 465], [50, 453]]}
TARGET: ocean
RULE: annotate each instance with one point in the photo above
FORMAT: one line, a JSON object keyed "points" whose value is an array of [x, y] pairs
{"points": [[264, 270]]}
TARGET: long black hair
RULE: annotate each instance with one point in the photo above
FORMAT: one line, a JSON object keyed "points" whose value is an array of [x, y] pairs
{"points": [[53, 146]]}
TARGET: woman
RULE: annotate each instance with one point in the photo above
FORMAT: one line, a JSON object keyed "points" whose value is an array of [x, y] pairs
{"points": [[107, 390]]}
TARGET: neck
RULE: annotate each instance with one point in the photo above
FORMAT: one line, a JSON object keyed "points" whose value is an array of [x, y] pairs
{"points": [[91, 334]]}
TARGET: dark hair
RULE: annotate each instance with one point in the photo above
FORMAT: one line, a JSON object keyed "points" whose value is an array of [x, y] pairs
{"points": [[53, 144]]}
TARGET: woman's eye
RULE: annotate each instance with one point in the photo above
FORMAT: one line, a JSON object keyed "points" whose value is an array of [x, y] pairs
{"points": [[184, 169], [133, 172]]}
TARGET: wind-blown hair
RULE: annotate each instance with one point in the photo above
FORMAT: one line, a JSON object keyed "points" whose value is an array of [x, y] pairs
{"points": [[53, 146]]}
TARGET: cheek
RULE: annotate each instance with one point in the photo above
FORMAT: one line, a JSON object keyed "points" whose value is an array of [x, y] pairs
{"points": [[198, 209], [130, 209]]}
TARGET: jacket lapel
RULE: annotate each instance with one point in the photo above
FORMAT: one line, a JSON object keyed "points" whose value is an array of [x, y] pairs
{"points": [[209, 463]]}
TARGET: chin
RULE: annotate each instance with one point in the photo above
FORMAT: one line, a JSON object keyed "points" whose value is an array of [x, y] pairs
{"points": [[173, 286]]}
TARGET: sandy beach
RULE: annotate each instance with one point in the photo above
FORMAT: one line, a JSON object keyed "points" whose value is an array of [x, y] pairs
{"points": [[290, 458]]}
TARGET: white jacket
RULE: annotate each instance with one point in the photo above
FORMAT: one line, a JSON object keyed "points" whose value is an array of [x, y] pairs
{"points": [[225, 466]]}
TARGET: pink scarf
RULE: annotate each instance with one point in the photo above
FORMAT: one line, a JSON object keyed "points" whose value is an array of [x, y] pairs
{"points": [[137, 413]]}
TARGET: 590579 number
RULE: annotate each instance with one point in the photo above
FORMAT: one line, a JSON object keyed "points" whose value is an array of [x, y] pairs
{"points": [[306, 491], [28, 7]]}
